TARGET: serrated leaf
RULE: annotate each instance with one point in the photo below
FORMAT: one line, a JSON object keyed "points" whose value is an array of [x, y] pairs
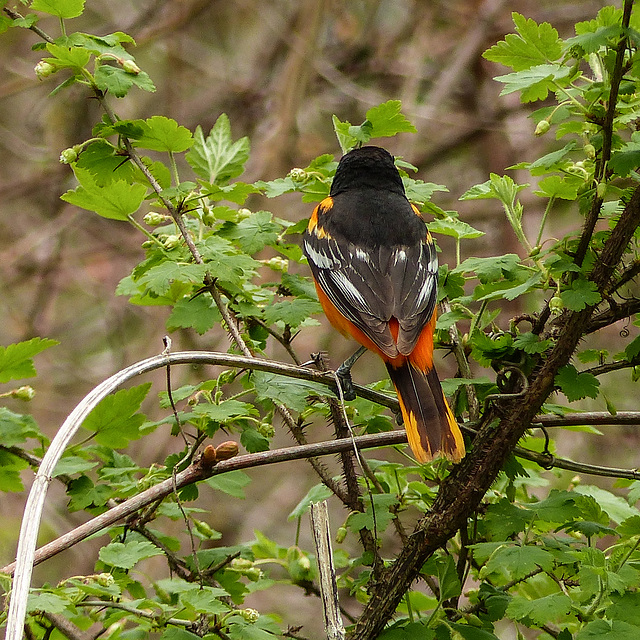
{"points": [[454, 228], [576, 385], [217, 158], [583, 293], [62, 8], [291, 312], [519, 561], [290, 392], [565, 187], [616, 507], [199, 313], [164, 134], [534, 83], [16, 360], [540, 611], [253, 441], [490, 269], [625, 160], [531, 343], [387, 120], [115, 420], [205, 600], [232, 483], [127, 555], [11, 468], [224, 410], [15, 428], [253, 233], [536, 44], [608, 630], [115, 201], [47, 602], [159, 279]]}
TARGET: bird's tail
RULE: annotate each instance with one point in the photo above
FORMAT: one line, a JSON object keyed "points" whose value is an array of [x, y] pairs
{"points": [[431, 427]]}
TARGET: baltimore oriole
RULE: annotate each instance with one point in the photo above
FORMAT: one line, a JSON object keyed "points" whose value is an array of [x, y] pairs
{"points": [[375, 269]]}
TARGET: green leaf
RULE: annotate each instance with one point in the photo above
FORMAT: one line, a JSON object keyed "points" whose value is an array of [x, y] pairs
{"points": [[531, 343], [15, 428], [616, 507], [224, 410], [11, 468], [540, 611], [16, 359], [534, 83], [558, 506], [490, 269], [159, 279], [420, 192], [625, 160], [625, 607], [199, 313], [164, 134], [583, 293], [291, 312], [448, 579], [387, 120], [205, 600], [467, 632], [565, 187], [608, 630], [217, 158], [253, 441], [178, 633], [115, 420], [454, 228], [68, 57], [61, 8], [504, 519], [535, 45], [253, 233], [317, 493], [117, 200], [47, 602], [127, 555], [378, 518], [232, 483], [576, 385], [290, 392], [519, 561]]}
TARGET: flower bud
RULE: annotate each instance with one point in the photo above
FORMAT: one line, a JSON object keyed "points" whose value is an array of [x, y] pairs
{"points": [[25, 393], [227, 450], [131, 67], [171, 242], [250, 615], [67, 156], [153, 218], [341, 534], [266, 429], [601, 189], [277, 264], [243, 214], [542, 127], [556, 305], [44, 69], [298, 175], [590, 150]]}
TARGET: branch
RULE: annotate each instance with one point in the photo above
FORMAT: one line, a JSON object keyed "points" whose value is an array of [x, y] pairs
{"points": [[613, 314], [200, 470], [607, 136]]}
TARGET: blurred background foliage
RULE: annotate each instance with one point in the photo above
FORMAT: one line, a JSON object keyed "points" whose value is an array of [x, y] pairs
{"points": [[279, 69]]}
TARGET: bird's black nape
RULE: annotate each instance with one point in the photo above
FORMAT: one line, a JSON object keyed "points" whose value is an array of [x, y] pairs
{"points": [[368, 167]]}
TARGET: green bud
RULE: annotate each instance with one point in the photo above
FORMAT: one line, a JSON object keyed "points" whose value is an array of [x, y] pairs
{"points": [[67, 156], [556, 305], [25, 393], [542, 127], [153, 218], [171, 242], [601, 189], [265, 429], [204, 529], [535, 252], [250, 615], [590, 150], [104, 579], [131, 67], [277, 264], [298, 175], [243, 214], [241, 564], [44, 69], [341, 534]]}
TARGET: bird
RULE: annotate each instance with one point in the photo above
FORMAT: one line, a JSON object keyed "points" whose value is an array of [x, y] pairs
{"points": [[375, 270]]}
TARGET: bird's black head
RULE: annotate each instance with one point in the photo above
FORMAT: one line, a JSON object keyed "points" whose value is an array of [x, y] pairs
{"points": [[369, 167]]}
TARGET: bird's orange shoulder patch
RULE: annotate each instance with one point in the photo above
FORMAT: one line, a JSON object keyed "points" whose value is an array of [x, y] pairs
{"points": [[315, 224]]}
